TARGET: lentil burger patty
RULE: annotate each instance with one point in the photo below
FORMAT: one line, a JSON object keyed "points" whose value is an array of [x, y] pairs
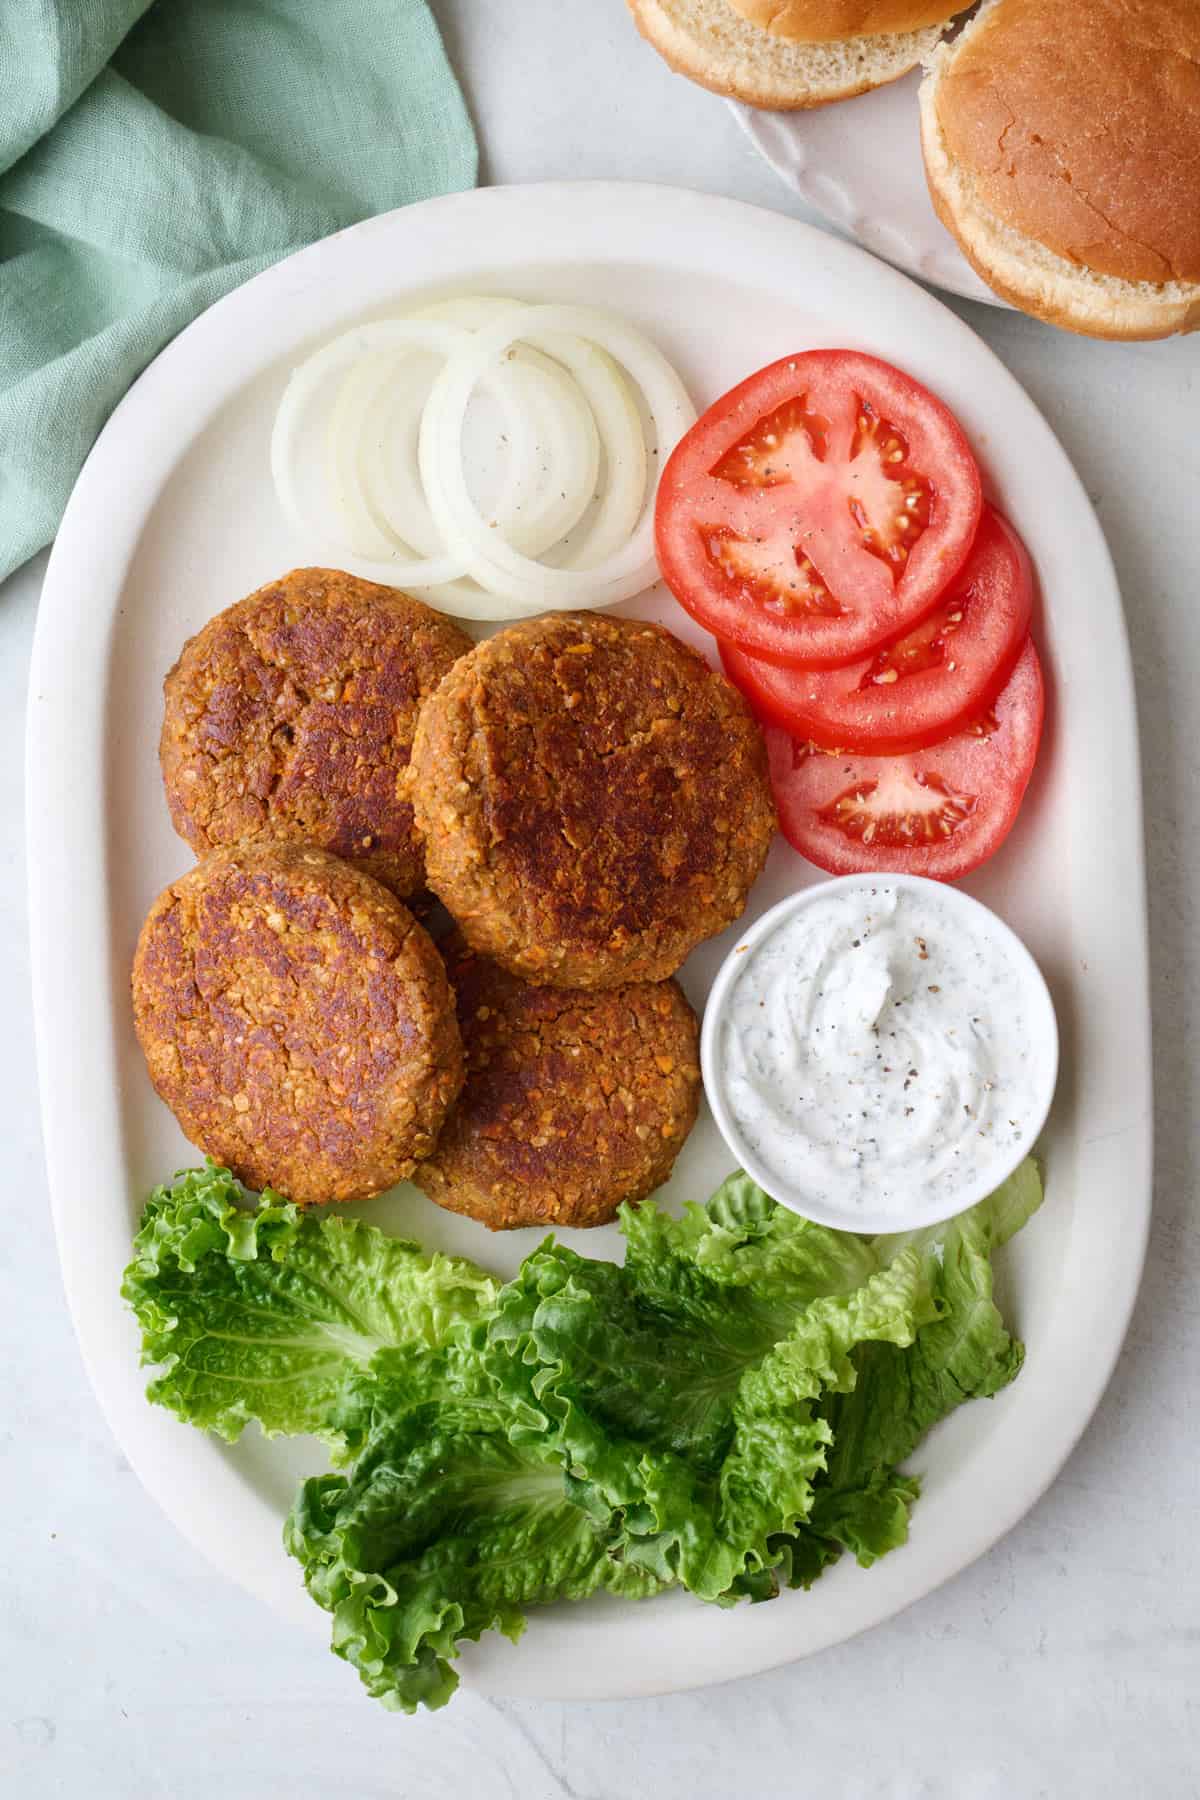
{"points": [[290, 717], [594, 799], [297, 1021], [575, 1100]]}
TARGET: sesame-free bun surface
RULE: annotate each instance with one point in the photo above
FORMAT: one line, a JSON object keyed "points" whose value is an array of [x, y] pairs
{"points": [[1068, 166], [824, 21], [711, 44]]}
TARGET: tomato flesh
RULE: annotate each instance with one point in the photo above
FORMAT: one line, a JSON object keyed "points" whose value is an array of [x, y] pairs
{"points": [[923, 686], [818, 509], [939, 812]]}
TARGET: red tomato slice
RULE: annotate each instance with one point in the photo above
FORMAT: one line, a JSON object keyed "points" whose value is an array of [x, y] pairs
{"points": [[923, 686], [938, 812], [817, 510]]}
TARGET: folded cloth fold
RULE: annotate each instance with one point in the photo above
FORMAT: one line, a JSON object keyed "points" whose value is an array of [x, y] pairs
{"points": [[154, 156]]}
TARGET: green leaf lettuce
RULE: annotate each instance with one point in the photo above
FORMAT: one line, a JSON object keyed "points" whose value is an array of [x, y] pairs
{"points": [[730, 1410], [445, 1528], [262, 1314]]}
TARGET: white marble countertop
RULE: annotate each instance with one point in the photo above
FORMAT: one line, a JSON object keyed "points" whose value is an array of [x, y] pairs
{"points": [[1067, 1662]]}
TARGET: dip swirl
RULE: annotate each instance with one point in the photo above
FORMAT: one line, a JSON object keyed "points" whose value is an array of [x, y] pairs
{"points": [[884, 1049]]}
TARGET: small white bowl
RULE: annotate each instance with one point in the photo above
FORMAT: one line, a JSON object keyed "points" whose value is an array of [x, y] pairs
{"points": [[982, 924]]}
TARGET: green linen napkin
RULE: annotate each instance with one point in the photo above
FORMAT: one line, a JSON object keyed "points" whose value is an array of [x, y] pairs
{"points": [[154, 156]]}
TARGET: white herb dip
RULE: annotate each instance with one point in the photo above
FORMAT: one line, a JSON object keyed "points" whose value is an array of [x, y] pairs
{"points": [[884, 1051]]}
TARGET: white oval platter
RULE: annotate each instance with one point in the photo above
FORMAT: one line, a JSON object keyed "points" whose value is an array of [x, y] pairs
{"points": [[174, 517]]}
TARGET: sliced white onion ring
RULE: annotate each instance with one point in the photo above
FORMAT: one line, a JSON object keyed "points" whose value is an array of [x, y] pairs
{"points": [[391, 488], [566, 459], [551, 474], [373, 442], [372, 406], [351, 424], [550, 471], [303, 387], [494, 564], [568, 518]]}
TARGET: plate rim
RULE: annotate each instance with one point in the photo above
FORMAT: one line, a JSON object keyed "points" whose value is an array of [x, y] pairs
{"points": [[944, 266], [63, 772]]}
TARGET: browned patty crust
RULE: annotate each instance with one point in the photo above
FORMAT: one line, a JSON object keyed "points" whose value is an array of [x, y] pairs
{"points": [[297, 1021], [575, 1100], [594, 799], [290, 717]]}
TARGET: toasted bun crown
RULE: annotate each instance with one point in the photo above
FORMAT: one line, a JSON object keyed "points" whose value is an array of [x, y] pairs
{"points": [[823, 21], [1080, 127]]}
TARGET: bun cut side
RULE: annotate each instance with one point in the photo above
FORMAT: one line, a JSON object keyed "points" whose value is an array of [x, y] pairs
{"points": [[713, 45], [1069, 170]]}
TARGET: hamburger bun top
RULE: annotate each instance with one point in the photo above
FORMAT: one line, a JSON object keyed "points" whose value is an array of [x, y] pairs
{"points": [[1083, 131], [825, 21]]}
